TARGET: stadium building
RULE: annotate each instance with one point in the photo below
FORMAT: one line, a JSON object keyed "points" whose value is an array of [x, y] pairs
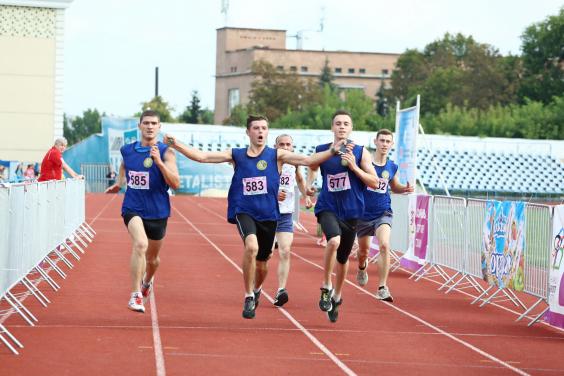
{"points": [[238, 48]]}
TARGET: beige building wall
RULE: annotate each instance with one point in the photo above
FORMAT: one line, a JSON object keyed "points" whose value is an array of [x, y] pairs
{"points": [[31, 110], [237, 49]]}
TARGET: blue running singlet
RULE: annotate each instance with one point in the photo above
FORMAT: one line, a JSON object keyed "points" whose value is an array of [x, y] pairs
{"points": [[147, 191], [341, 192], [377, 201], [254, 187]]}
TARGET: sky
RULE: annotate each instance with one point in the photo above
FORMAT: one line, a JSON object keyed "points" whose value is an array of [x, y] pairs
{"points": [[113, 46]]}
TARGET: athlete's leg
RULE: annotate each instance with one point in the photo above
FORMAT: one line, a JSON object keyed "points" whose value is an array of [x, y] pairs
{"points": [[383, 235], [284, 244], [329, 259], [249, 263], [138, 252], [363, 249], [152, 259]]}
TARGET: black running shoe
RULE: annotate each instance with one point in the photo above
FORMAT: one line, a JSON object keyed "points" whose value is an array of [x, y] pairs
{"points": [[333, 313], [257, 296], [325, 300], [249, 308], [281, 298]]}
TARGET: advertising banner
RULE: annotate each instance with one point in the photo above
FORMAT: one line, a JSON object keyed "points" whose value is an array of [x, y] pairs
{"points": [[416, 253], [555, 315], [407, 126], [503, 244]]}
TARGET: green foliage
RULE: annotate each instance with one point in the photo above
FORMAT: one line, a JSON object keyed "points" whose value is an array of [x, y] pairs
{"points": [[326, 78], [543, 59], [238, 116], [159, 105], [80, 127], [191, 114], [456, 70]]}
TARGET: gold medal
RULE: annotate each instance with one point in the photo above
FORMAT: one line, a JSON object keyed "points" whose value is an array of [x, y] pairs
{"points": [[148, 162], [261, 165]]}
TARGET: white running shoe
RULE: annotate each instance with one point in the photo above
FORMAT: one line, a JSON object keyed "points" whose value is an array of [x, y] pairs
{"points": [[383, 293], [136, 302], [362, 276]]}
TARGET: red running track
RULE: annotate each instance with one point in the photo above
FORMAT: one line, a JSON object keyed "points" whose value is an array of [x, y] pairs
{"points": [[194, 324]]}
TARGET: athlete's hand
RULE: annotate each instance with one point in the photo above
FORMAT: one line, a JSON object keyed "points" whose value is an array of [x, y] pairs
{"points": [[308, 202], [408, 188], [169, 139], [112, 189], [156, 155], [310, 191], [281, 195], [348, 159]]}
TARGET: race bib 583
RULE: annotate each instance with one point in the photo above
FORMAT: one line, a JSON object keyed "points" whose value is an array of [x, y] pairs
{"points": [[254, 186]]}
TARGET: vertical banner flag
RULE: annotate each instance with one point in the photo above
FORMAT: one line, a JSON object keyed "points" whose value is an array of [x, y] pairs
{"points": [[416, 252], [407, 126], [555, 314], [503, 244]]}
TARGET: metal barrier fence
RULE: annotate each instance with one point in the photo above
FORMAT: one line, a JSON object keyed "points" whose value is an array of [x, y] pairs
{"points": [[457, 243], [41, 224], [96, 176]]}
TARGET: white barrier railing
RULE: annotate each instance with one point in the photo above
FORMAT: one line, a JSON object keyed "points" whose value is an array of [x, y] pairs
{"points": [[456, 243], [40, 224]]}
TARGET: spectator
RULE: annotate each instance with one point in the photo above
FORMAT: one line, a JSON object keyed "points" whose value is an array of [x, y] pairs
{"points": [[29, 173], [2, 174], [111, 176], [53, 163]]}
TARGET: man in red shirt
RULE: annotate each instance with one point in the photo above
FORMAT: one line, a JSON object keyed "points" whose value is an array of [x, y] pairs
{"points": [[53, 163]]}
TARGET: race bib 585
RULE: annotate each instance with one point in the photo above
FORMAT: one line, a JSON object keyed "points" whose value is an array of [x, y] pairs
{"points": [[138, 180]]}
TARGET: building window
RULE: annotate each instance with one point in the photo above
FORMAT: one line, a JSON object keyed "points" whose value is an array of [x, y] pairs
{"points": [[351, 70], [303, 69], [233, 69], [293, 68], [338, 70], [361, 70], [233, 98], [280, 68], [385, 72]]}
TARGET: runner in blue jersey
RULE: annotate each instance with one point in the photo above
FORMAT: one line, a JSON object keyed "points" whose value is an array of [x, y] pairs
{"points": [[339, 206], [149, 169], [377, 218], [252, 198]]}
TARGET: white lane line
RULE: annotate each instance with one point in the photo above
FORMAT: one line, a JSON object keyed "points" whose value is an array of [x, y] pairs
{"points": [[104, 208], [157, 345], [428, 324], [311, 337]]}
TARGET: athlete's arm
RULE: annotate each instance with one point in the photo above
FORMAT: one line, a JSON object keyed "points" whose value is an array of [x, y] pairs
{"points": [[302, 187], [120, 181], [311, 175], [168, 166], [365, 171], [196, 154], [285, 156], [398, 187]]}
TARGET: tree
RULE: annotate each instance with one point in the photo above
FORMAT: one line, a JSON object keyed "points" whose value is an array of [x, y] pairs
{"points": [[543, 59], [327, 78], [456, 70], [161, 107], [191, 114], [78, 128], [275, 93]]}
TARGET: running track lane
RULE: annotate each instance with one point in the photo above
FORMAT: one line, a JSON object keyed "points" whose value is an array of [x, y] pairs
{"points": [[199, 300]]}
